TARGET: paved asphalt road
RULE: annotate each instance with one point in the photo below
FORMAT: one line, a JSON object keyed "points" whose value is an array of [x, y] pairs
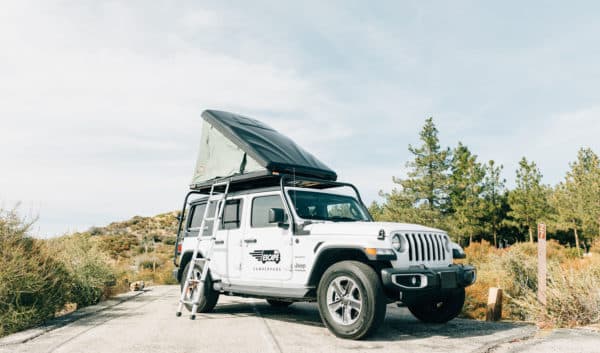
{"points": [[147, 323]]}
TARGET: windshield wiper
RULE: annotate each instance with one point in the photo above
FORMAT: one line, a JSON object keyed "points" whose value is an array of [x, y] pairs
{"points": [[346, 219]]}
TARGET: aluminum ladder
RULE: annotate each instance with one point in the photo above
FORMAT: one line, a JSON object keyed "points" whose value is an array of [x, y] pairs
{"points": [[197, 285]]}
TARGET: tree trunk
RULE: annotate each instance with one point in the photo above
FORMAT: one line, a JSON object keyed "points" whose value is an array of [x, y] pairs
{"points": [[530, 235], [495, 239], [576, 239]]}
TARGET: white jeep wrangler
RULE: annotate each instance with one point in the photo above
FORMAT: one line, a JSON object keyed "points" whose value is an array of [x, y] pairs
{"points": [[311, 240]]}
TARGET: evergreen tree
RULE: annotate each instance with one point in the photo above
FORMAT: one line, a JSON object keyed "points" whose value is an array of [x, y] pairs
{"points": [[583, 183], [426, 186], [577, 199], [465, 204], [529, 200], [494, 197], [566, 216]]}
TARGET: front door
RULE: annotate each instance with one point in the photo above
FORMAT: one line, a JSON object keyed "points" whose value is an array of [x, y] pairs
{"points": [[266, 248]]}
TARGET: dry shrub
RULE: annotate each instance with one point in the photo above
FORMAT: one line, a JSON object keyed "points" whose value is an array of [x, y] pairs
{"points": [[573, 284], [162, 275], [573, 296], [595, 246]]}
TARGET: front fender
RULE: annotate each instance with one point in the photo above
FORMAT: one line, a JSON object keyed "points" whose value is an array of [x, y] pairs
{"points": [[327, 255]]}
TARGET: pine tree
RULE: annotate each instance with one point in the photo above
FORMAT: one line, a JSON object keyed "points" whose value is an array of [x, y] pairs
{"points": [[529, 200], [583, 183], [577, 199], [566, 216], [426, 187], [494, 197], [465, 204]]}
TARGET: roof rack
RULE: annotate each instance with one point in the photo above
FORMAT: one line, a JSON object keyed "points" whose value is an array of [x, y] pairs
{"points": [[266, 178]]}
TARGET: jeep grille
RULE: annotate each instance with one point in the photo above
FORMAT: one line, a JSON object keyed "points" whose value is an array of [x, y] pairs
{"points": [[425, 247]]}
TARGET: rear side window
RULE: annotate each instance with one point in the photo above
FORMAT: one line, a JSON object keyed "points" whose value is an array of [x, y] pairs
{"points": [[196, 218], [260, 210], [232, 215]]}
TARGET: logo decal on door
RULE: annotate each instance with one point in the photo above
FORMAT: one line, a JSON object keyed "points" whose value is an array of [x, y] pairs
{"points": [[265, 256]]}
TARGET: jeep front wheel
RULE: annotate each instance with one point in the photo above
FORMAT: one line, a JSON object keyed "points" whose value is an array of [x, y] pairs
{"points": [[439, 309], [351, 300], [208, 296]]}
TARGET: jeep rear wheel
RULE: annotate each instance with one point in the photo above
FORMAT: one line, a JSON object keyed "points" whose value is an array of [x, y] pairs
{"points": [[351, 300], [208, 296], [278, 303], [439, 309]]}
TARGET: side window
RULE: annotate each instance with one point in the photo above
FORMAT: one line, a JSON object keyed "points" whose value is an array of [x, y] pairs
{"points": [[196, 218], [260, 210], [232, 214]]}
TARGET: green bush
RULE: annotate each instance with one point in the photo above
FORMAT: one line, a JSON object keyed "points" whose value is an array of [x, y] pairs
{"points": [[118, 245], [32, 283], [168, 240], [88, 268]]}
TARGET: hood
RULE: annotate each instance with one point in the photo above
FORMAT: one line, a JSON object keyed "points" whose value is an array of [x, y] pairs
{"points": [[365, 228]]}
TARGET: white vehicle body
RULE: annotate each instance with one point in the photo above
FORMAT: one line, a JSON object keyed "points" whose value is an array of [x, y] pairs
{"points": [[273, 262]]}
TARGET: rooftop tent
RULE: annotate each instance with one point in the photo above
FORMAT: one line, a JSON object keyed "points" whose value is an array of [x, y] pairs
{"points": [[232, 145]]}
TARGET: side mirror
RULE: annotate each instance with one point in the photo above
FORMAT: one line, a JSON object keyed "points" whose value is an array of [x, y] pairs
{"points": [[276, 215], [178, 216]]}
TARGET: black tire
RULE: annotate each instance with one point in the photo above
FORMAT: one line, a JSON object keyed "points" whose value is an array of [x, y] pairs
{"points": [[209, 297], [278, 303], [439, 309], [366, 289]]}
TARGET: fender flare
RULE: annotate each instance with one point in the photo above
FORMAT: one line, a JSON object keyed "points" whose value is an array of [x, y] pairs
{"points": [[330, 254]]}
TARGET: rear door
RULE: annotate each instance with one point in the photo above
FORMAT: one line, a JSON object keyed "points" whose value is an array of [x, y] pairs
{"points": [[230, 243], [266, 248], [230, 223]]}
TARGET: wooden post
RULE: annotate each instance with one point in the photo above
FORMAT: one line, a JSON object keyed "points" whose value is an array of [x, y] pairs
{"points": [[494, 306], [542, 263]]}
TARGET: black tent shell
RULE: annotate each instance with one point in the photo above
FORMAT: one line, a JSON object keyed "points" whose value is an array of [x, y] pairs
{"points": [[275, 152]]}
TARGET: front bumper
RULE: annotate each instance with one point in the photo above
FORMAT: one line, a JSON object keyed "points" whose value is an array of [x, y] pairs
{"points": [[421, 278]]}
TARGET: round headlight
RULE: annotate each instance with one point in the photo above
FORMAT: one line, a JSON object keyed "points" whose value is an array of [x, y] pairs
{"points": [[398, 243], [446, 243]]}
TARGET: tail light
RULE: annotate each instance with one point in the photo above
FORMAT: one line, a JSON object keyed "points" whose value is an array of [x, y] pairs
{"points": [[179, 248]]}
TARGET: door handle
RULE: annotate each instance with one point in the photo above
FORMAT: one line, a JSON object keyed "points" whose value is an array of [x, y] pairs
{"points": [[250, 241], [219, 242]]}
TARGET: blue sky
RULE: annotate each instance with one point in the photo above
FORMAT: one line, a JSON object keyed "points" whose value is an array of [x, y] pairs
{"points": [[100, 102]]}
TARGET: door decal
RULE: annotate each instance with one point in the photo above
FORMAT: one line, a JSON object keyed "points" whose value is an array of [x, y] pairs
{"points": [[265, 256]]}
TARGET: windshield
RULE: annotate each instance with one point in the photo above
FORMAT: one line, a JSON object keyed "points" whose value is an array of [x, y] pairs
{"points": [[327, 207]]}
